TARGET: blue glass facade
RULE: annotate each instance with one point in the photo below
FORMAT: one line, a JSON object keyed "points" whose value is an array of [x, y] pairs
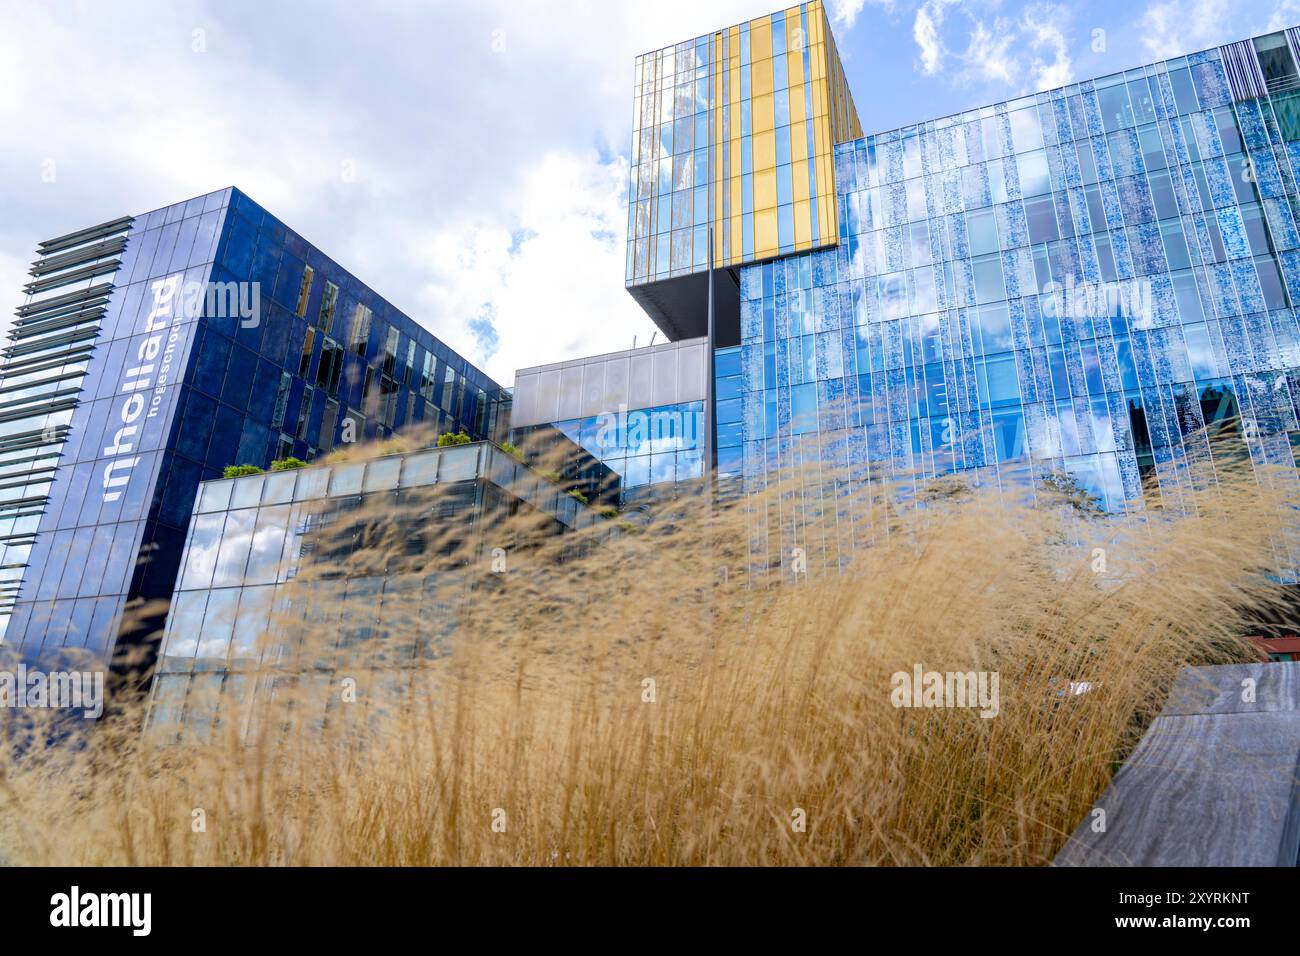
{"points": [[177, 387], [728, 386], [1080, 281]]}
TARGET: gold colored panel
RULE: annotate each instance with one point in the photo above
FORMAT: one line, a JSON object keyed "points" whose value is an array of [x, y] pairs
{"points": [[760, 40], [793, 27], [799, 180], [763, 112], [719, 144], [798, 142], [802, 222], [764, 189], [760, 78], [765, 239], [798, 106], [764, 150]]}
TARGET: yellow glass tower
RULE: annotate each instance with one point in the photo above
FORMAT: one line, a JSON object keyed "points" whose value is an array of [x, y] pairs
{"points": [[734, 130]]}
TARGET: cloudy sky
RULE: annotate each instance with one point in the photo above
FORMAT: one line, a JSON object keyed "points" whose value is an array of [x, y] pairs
{"points": [[468, 159]]}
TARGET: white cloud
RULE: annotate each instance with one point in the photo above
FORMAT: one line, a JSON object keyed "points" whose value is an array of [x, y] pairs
{"points": [[545, 282], [1029, 52], [1182, 26], [1285, 14], [844, 13], [925, 31], [1175, 27], [1045, 24], [988, 57], [489, 145], [1001, 48]]}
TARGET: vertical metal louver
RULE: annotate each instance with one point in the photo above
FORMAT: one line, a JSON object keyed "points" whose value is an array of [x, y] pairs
{"points": [[1244, 73], [41, 373]]}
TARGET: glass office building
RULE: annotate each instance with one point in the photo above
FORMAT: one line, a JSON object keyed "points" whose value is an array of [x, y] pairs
{"points": [[1099, 280], [291, 577], [154, 351]]}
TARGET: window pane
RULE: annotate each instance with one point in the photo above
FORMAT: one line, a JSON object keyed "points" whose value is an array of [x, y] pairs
{"points": [[1034, 178], [983, 231], [232, 555], [267, 545], [201, 559], [183, 628], [218, 625]]}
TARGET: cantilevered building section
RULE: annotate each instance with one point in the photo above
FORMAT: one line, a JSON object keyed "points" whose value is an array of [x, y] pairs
{"points": [[734, 130]]}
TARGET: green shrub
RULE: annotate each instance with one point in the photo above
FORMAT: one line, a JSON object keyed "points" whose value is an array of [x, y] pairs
{"points": [[239, 471], [287, 464], [554, 476], [459, 438], [607, 511], [513, 450], [1063, 488], [575, 493]]}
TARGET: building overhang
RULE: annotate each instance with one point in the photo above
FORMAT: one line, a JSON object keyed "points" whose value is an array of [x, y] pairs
{"points": [[680, 306]]}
